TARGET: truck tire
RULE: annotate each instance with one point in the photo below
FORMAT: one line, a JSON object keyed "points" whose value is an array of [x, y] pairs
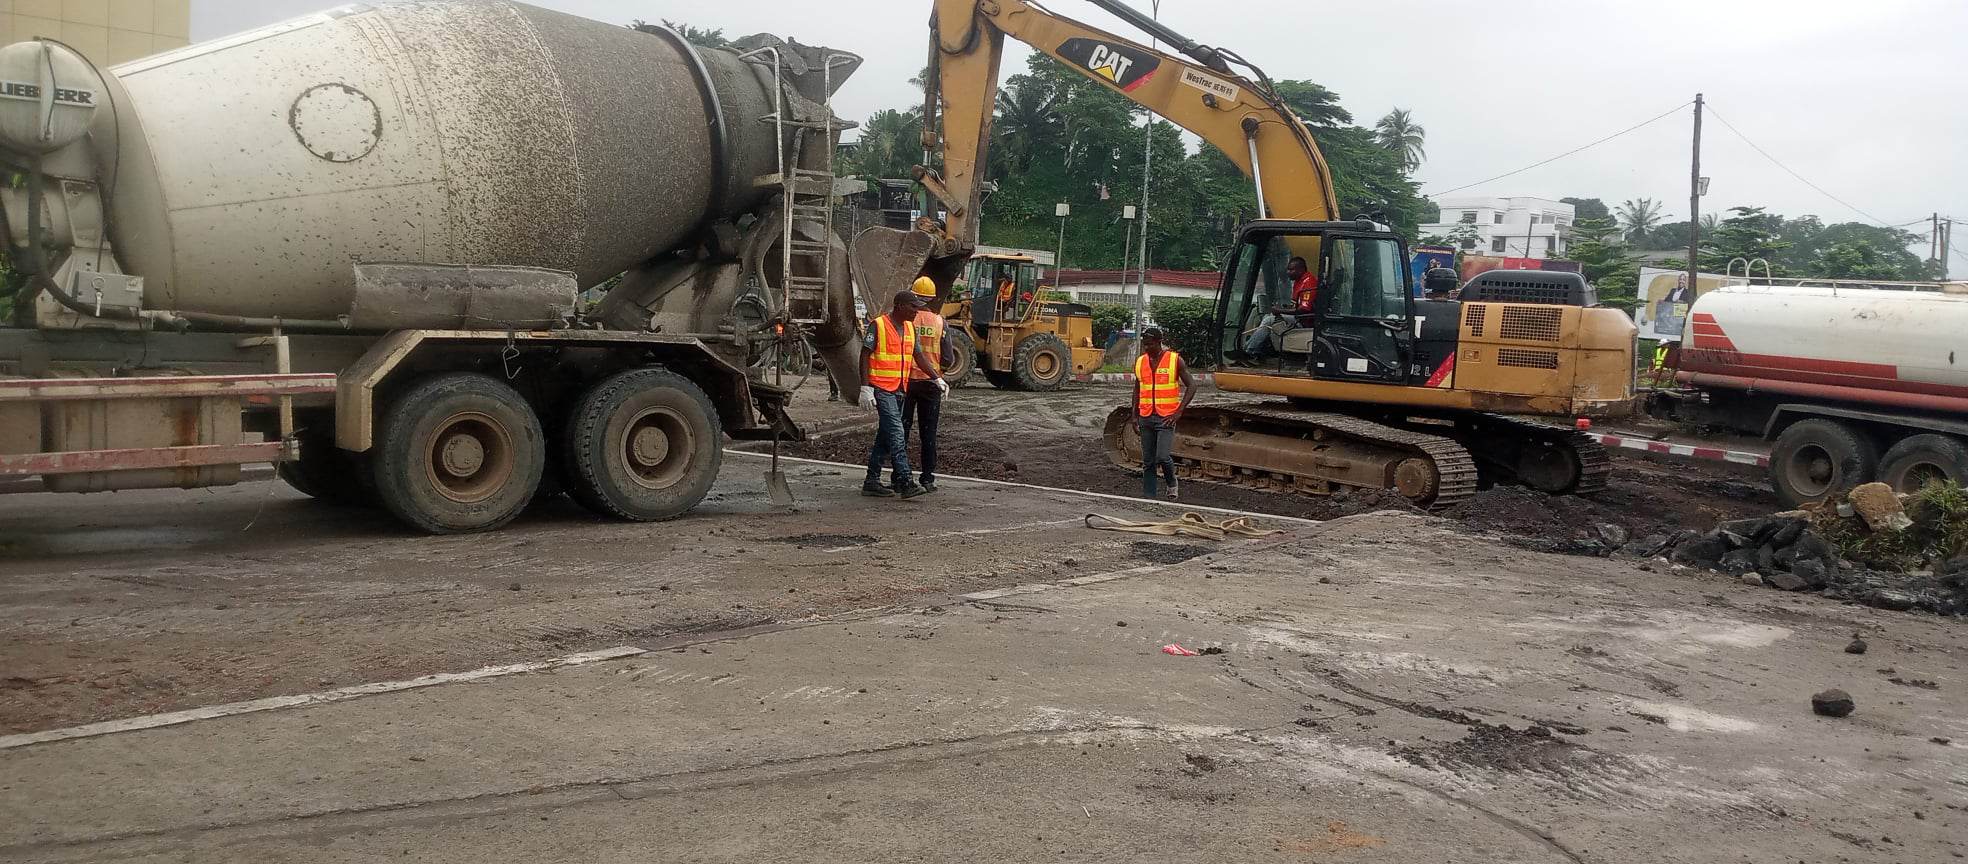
{"points": [[1921, 459], [1815, 458], [958, 372], [457, 453], [643, 445], [325, 472], [1041, 362]]}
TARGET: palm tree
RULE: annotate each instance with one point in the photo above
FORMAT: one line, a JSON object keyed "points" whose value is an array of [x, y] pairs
{"points": [[1027, 121], [1710, 223], [1398, 132], [891, 143], [1638, 218]]}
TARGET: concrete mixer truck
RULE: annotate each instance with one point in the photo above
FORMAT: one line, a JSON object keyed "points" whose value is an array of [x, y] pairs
{"points": [[366, 245], [1852, 384]]}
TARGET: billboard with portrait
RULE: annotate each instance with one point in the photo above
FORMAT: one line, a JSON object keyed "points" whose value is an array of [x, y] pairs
{"points": [[1665, 298]]}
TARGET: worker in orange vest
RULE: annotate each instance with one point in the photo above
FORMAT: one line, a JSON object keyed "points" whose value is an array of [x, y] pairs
{"points": [[886, 355], [1161, 391], [923, 405]]}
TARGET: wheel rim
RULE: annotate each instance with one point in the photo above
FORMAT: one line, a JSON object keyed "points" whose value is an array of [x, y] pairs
{"points": [[471, 457], [655, 446], [1810, 470], [1045, 365]]}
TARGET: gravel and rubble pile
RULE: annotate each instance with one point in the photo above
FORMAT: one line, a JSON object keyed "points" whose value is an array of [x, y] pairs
{"points": [[1873, 547]]}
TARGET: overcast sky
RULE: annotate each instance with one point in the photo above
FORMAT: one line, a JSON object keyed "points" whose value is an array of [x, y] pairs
{"points": [[1868, 100]]}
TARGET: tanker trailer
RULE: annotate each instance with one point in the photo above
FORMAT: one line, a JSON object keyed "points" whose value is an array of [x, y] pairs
{"points": [[1851, 384], [366, 245]]}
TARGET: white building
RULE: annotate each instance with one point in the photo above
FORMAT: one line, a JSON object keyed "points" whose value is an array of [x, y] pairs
{"points": [[1508, 227], [1119, 286]]}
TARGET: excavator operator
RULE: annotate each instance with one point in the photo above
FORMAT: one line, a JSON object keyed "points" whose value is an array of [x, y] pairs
{"points": [[1301, 312]]}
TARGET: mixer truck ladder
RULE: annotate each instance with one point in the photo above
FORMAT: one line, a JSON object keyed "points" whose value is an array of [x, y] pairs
{"points": [[807, 194]]}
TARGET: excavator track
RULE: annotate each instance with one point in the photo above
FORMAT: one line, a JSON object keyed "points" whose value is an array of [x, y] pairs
{"points": [[1547, 458], [1279, 448]]}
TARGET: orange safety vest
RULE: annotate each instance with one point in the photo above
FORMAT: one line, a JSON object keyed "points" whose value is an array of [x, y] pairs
{"points": [[888, 367], [929, 334], [1160, 392]]}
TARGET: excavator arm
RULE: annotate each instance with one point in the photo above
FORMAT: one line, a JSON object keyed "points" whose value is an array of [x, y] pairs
{"points": [[1201, 91]]}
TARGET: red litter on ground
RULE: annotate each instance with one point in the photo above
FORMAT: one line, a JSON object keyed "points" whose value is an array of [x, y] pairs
{"points": [[1177, 650]]}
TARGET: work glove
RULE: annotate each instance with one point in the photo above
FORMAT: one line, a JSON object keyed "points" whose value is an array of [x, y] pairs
{"points": [[942, 386], [867, 402]]}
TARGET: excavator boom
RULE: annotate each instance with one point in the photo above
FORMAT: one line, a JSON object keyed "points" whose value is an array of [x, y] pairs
{"points": [[1239, 115]]}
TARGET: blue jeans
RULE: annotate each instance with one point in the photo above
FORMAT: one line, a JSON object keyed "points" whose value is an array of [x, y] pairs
{"points": [[891, 445], [1157, 436]]}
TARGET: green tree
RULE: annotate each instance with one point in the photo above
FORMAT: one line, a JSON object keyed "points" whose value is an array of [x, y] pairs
{"points": [[1313, 103], [890, 145], [1027, 122], [1605, 260], [1638, 217], [1588, 208], [1464, 236], [1398, 132], [698, 36], [1750, 234], [1188, 322], [1109, 317]]}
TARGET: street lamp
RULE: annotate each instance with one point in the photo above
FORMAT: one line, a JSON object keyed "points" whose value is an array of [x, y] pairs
{"points": [[1127, 245], [1061, 210]]}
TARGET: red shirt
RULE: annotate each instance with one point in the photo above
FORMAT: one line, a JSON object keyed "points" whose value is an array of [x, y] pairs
{"points": [[1305, 292]]}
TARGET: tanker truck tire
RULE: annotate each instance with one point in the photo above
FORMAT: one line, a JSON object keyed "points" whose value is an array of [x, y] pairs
{"points": [[644, 445], [457, 453], [1041, 362], [1816, 458], [966, 357], [1918, 460]]}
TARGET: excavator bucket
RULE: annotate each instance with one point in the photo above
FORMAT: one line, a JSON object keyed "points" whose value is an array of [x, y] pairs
{"points": [[887, 260]]}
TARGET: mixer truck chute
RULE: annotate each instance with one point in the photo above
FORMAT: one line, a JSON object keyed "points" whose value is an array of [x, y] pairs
{"points": [[362, 237]]}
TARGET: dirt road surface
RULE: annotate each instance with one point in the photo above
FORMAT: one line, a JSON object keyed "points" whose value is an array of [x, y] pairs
{"points": [[967, 676]]}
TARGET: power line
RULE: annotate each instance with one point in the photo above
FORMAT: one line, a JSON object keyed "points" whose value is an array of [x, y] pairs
{"points": [[1779, 163], [1581, 149]]}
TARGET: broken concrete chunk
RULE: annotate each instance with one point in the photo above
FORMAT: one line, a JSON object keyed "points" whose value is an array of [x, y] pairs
{"points": [[1811, 571], [1879, 507], [1786, 581], [1832, 703], [1739, 561], [1701, 551], [1612, 535], [1857, 646]]}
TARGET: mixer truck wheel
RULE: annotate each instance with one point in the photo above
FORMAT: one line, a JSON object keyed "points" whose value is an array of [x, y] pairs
{"points": [[643, 445], [458, 452], [1815, 458], [1918, 460], [1042, 362], [325, 472]]}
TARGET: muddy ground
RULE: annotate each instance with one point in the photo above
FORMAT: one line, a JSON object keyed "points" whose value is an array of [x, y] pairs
{"points": [[1054, 440]]}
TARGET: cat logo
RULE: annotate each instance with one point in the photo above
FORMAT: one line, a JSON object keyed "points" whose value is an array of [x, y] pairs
{"points": [[1123, 66]]}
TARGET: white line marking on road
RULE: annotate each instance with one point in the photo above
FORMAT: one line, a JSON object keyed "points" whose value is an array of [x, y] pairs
{"points": [[174, 718], [1146, 502]]}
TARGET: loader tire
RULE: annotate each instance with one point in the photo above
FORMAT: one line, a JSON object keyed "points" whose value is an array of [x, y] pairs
{"points": [[1041, 362], [643, 446], [965, 362], [457, 453]]}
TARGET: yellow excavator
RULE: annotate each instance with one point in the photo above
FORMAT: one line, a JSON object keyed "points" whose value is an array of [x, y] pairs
{"points": [[1381, 389]]}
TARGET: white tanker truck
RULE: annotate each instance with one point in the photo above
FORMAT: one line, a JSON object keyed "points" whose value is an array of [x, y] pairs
{"points": [[1852, 384], [362, 245]]}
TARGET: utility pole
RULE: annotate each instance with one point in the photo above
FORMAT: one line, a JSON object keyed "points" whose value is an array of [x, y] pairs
{"points": [[1147, 153], [1061, 210], [1528, 228], [1934, 238], [1694, 205], [1127, 248]]}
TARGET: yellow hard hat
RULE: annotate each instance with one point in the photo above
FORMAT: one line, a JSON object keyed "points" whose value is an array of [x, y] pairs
{"points": [[924, 286]]}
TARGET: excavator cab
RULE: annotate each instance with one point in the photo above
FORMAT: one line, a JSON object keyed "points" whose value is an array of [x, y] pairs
{"points": [[1360, 327]]}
